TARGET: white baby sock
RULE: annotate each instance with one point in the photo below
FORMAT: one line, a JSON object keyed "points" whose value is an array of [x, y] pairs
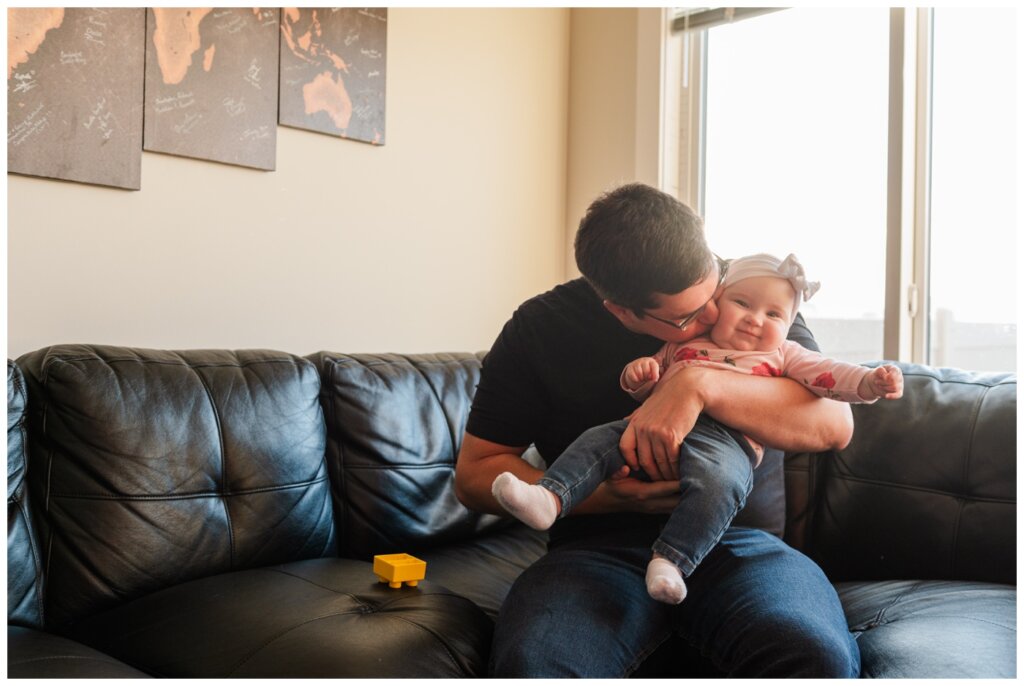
{"points": [[665, 581], [535, 506]]}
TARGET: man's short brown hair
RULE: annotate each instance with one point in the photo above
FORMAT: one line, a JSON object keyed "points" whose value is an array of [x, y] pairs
{"points": [[636, 241]]}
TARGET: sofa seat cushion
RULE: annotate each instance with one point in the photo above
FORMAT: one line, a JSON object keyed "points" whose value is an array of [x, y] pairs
{"points": [[484, 568], [326, 617], [33, 654], [933, 629]]}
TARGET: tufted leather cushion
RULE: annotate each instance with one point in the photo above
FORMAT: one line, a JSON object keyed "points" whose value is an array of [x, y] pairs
{"points": [[309, 619], [157, 467], [927, 487], [394, 427], [24, 573], [933, 629]]}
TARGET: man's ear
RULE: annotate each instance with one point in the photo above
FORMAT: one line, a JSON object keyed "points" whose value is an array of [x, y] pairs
{"points": [[623, 314]]}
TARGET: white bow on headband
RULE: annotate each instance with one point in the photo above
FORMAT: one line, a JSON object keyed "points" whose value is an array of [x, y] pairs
{"points": [[790, 268]]}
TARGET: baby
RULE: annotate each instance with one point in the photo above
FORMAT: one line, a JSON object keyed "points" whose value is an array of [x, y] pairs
{"points": [[761, 295]]}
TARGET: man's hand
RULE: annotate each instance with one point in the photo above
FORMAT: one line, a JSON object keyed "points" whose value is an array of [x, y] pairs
{"points": [[657, 428], [623, 493], [481, 461]]}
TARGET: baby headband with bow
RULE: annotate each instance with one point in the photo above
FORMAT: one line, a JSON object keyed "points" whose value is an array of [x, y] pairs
{"points": [[763, 264]]}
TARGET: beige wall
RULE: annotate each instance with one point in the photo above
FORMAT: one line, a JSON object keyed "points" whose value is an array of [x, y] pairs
{"points": [[616, 118], [423, 245]]}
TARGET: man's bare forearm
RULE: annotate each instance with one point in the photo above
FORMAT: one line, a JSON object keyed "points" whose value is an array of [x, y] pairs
{"points": [[775, 411], [480, 462], [478, 465]]}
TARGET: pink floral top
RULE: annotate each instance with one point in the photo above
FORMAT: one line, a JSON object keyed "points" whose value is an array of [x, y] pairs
{"points": [[824, 376]]}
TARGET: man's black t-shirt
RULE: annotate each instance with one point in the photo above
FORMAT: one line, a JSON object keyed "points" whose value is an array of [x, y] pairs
{"points": [[553, 372]]}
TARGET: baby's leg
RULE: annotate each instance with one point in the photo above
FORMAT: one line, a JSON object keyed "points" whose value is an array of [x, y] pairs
{"points": [[589, 460], [716, 474]]}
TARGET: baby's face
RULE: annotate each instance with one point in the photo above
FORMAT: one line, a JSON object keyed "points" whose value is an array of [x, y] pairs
{"points": [[753, 314]]}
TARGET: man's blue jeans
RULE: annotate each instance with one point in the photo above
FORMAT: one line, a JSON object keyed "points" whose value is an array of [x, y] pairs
{"points": [[755, 607], [716, 474]]}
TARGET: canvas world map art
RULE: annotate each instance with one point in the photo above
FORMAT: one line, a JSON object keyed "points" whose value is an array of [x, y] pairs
{"points": [[211, 84], [88, 89], [74, 94], [333, 69]]}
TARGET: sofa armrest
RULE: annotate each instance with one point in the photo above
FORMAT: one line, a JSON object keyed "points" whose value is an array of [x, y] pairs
{"points": [[925, 490], [24, 565]]}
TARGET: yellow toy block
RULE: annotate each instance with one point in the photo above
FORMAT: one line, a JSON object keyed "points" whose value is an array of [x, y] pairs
{"points": [[395, 569]]}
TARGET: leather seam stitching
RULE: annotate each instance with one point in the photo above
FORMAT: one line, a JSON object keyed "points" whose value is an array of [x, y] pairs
{"points": [[447, 648], [994, 384], [440, 406], [880, 617], [362, 602], [67, 657], [33, 544], [933, 491], [342, 486], [1011, 629], [313, 583], [965, 478], [190, 496], [36, 561], [182, 363], [223, 465], [238, 665]]}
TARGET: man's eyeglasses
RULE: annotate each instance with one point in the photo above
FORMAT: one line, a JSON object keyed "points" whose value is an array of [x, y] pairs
{"points": [[723, 267]]}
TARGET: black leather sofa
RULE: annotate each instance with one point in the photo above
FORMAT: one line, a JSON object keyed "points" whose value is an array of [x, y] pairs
{"points": [[215, 513]]}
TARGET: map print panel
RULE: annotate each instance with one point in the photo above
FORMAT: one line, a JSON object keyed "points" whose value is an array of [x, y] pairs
{"points": [[211, 84], [74, 94], [333, 68]]}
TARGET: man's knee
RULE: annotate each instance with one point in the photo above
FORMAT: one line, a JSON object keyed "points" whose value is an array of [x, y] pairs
{"points": [[559, 652], [800, 650]]}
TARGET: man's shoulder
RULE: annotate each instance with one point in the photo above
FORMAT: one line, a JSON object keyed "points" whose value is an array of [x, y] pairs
{"points": [[800, 333], [572, 301], [571, 294]]}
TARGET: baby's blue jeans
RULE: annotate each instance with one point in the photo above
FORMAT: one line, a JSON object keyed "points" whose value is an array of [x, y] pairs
{"points": [[716, 473]]}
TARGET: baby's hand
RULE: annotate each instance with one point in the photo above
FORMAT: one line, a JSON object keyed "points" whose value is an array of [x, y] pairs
{"points": [[641, 371], [886, 382]]}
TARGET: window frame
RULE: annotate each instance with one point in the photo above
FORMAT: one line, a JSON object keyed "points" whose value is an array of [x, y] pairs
{"points": [[905, 319]]}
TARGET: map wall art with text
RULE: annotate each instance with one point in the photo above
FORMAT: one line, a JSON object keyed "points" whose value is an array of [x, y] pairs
{"points": [[88, 89], [211, 84], [74, 94], [333, 68]]}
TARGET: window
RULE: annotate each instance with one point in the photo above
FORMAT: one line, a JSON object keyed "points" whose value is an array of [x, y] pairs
{"points": [[905, 213], [972, 317]]}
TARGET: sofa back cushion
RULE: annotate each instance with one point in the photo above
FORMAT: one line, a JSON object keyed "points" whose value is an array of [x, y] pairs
{"points": [[394, 427], [157, 467], [925, 490], [24, 570]]}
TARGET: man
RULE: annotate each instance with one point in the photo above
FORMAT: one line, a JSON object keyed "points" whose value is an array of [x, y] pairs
{"points": [[756, 607]]}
